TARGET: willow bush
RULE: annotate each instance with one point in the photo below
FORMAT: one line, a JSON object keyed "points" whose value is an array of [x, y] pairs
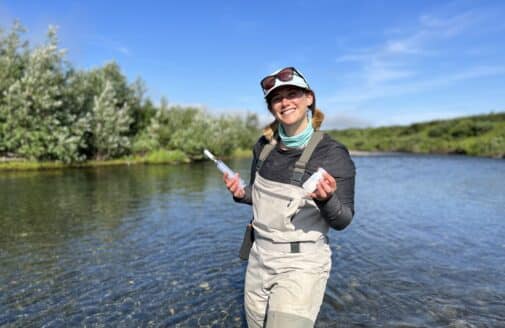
{"points": [[51, 111]]}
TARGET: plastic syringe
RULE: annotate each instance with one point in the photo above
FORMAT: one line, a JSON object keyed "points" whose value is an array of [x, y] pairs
{"points": [[223, 167]]}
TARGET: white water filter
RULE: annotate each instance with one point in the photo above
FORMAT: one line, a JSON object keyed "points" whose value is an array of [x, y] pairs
{"points": [[223, 167]]}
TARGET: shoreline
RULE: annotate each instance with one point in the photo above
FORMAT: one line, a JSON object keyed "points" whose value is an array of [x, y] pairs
{"points": [[23, 165], [18, 164], [374, 153]]}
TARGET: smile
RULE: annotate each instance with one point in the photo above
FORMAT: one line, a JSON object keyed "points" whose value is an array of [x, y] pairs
{"points": [[287, 111]]}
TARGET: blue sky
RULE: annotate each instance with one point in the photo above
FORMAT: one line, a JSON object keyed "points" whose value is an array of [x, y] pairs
{"points": [[370, 63]]}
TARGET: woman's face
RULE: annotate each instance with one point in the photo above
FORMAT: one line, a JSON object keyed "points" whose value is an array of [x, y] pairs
{"points": [[289, 105]]}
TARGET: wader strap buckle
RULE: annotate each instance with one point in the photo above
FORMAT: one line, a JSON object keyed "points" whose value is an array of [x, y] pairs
{"points": [[295, 247]]}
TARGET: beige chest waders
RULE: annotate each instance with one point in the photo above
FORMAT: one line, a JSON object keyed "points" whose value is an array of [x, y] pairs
{"points": [[290, 259]]}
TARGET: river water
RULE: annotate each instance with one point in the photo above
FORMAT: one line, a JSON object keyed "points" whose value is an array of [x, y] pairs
{"points": [[157, 246]]}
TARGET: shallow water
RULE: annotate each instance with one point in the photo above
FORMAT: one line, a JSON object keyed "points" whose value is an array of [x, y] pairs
{"points": [[157, 246]]}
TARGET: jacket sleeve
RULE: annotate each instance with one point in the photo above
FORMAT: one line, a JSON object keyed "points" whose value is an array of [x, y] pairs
{"points": [[247, 199], [338, 210]]}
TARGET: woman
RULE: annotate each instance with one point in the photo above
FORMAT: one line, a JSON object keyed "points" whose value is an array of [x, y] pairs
{"points": [[290, 260]]}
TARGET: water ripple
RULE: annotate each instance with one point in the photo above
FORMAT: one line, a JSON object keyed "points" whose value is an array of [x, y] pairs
{"points": [[157, 246]]}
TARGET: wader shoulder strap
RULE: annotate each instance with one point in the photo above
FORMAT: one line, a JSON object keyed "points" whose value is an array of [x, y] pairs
{"points": [[299, 170], [264, 154]]}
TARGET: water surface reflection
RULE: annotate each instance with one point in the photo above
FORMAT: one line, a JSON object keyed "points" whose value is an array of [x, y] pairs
{"points": [[157, 246]]}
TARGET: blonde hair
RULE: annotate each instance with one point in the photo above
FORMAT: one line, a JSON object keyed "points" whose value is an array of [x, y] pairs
{"points": [[270, 131]]}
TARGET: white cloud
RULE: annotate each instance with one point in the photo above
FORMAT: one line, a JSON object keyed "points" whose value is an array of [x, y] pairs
{"points": [[106, 43], [404, 64], [123, 50], [354, 57], [399, 47], [379, 71], [449, 26], [431, 28], [354, 95], [343, 121]]}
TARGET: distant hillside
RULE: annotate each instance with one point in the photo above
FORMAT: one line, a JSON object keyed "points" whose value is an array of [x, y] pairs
{"points": [[480, 135]]}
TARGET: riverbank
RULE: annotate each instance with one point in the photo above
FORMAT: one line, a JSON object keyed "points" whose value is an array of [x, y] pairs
{"points": [[162, 157], [159, 157], [371, 153]]}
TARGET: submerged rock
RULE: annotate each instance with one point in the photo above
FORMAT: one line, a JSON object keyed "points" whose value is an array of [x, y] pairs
{"points": [[204, 285]]}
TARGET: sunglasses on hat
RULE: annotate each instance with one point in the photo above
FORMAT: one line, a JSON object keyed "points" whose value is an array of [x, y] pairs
{"points": [[284, 75]]}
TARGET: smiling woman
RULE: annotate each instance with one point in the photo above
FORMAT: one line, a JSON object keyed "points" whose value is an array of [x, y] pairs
{"points": [[289, 106], [290, 260]]}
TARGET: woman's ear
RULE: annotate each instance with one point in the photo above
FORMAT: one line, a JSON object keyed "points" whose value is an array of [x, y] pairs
{"points": [[310, 98]]}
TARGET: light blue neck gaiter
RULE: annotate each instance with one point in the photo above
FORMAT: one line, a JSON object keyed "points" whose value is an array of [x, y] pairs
{"points": [[299, 140]]}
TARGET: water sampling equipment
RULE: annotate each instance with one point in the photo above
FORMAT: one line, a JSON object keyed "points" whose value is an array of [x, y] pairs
{"points": [[222, 166]]}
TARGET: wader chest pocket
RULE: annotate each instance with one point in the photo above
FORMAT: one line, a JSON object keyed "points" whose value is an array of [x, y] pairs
{"points": [[274, 210]]}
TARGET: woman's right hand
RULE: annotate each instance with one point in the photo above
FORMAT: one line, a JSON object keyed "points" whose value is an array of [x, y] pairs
{"points": [[233, 185]]}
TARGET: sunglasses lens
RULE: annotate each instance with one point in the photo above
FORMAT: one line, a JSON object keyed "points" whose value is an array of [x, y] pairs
{"points": [[268, 82], [285, 75]]}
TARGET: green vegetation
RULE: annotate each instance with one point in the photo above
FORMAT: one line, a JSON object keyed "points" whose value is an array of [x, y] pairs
{"points": [[54, 115], [156, 157], [166, 157], [480, 135]]}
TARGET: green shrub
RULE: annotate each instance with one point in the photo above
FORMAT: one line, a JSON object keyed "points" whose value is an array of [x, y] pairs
{"points": [[144, 143], [437, 131], [468, 128], [163, 156]]}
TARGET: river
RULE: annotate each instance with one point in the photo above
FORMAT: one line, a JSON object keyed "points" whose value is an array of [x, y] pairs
{"points": [[157, 246]]}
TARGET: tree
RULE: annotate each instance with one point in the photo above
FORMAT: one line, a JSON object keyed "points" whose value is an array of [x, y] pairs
{"points": [[141, 108], [13, 59], [37, 124], [109, 125]]}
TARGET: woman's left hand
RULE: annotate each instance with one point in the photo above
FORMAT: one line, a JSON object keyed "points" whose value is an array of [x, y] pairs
{"points": [[325, 188]]}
